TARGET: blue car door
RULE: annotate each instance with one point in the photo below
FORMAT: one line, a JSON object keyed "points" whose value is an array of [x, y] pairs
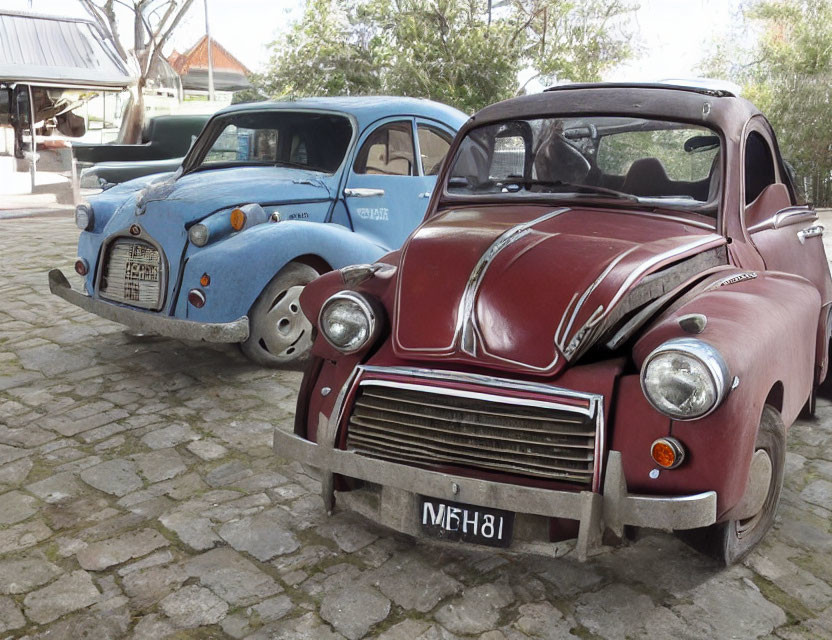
{"points": [[386, 192]]}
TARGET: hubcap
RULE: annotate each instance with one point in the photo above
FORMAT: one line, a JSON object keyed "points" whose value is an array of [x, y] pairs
{"points": [[761, 468], [286, 330]]}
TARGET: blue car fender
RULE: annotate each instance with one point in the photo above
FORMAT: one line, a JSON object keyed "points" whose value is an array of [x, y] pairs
{"points": [[240, 266]]}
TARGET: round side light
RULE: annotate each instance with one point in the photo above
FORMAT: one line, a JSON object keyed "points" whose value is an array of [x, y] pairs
{"points": [[238, 219], [668, 453], [205, 280], [196, 298], [81, 267]]}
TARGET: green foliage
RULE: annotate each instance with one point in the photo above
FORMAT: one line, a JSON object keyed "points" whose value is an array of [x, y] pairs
{"points": [[787, 73], [447, 50]]}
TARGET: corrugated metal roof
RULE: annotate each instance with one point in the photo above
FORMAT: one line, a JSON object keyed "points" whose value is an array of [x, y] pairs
{"points": [[58, 51]]}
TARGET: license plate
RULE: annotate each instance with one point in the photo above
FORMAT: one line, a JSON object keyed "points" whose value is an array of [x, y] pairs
{"points": [[466, 523]]}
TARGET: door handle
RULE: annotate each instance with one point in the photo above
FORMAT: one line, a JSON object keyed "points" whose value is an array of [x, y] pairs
{"points": [[424, 194], [363, 193], [810, 232]]}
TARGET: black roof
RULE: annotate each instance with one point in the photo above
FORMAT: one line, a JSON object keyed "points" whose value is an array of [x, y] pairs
{"points": [[716, 92]]}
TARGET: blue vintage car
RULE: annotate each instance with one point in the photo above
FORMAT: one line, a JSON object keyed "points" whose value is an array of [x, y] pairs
{"points": [[269, 196]]}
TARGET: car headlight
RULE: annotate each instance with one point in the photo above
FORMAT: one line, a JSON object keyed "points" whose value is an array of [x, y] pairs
{"points": [[685, 378], [84, 219], [198, 235], [347, 321]]}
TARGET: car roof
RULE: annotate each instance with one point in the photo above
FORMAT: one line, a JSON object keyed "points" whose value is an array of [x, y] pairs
{"points": [[717, 108], [700, 85], [365, 109]]}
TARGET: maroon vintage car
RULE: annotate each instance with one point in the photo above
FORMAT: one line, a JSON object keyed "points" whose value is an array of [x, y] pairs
{"points": [[612, 312]]}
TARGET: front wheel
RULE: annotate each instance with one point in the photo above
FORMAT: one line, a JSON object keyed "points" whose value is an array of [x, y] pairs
{"points": [[279, 333], [732, 540]]}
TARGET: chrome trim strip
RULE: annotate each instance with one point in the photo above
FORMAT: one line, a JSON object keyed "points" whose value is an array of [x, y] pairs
{"points": [[784, 218], [466, 321], [462, 304], [474, 395]]}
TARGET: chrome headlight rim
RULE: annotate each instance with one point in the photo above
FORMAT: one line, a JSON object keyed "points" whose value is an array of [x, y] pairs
{"points": [[707, 355], [366, 308], [84, 212], [199, 234]]}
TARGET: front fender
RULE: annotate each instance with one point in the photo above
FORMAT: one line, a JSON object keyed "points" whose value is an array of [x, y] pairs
{"points": [[243, 264], [765, 327]]}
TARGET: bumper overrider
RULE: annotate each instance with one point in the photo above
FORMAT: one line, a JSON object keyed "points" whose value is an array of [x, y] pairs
{"points": [[392, 491], [148, 322]]}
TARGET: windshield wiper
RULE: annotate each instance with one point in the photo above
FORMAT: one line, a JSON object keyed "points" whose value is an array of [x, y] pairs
{"points": [[583, 189]]}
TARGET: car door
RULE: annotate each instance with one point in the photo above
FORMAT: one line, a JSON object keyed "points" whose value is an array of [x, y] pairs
{"points": [[787, 235], [386, 192]]}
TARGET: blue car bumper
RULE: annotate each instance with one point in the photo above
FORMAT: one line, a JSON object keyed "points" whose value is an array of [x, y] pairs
{"points": [[145, 322]]}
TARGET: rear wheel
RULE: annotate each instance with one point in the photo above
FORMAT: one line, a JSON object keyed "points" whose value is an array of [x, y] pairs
{"points": [[732, 540], [279, 333]]}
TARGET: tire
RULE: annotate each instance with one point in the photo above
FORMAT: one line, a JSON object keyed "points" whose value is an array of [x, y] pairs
{"points": [[280, 336], [731, 541]]}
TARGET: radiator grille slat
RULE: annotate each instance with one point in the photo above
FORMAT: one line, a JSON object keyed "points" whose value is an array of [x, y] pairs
{"points": [[421, 427], [132, 273]]}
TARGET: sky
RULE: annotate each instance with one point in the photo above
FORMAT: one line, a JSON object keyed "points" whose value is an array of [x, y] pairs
{"points": [[673, 37]]}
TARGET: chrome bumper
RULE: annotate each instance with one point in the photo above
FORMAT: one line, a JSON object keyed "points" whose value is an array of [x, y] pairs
{"points": [[401, 485], [146, 322]]}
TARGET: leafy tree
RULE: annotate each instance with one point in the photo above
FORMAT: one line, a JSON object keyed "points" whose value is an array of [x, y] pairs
{"points": [[454, 51], [787, 73], [154, 21]]}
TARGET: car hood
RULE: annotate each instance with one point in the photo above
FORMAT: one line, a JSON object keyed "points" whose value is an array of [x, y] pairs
{"points": [[196, 195], [527, 291]]}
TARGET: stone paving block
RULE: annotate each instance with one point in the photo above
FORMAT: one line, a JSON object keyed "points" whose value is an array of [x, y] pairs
{"points": [[413, 584], [146, 587], [353, 611], [232, 577], [195, 531], [23, 535], [152, 627], [348, 531], [264, 536], [10, 616], [153, 560], [228, 473], [55, 488], [10, 454], [169, 436], [14, 473], [193, 606], [477, 610], [69, 593], [117, 477], [819, 492], [302, 628], [101, 555], [20, 575], [16, 506], [159, 465], [207, 449]]}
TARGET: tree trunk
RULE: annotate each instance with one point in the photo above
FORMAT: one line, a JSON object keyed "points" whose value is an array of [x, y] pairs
{"points": [[133, 120]]}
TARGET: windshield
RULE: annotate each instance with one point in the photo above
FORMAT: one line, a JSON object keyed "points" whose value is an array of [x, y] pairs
{"points": [[312, 141], [653, 162]]}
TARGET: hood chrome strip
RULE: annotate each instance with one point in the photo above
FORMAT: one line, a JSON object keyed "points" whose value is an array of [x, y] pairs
{"points": [[465, 334]]}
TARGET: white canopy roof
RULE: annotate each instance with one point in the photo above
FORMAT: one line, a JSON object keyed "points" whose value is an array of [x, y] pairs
{"points": [[58, 51]]}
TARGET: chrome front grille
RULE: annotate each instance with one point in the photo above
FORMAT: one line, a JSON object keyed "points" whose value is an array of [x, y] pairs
{"points": [[132, 273], [423, 425]]}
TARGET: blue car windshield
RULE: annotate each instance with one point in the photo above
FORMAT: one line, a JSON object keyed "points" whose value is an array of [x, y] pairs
{"points": [[305, 140], [637, 160]]}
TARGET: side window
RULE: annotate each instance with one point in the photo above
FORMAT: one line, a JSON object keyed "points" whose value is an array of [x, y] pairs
{"points": [[433, 146], [759, 166], [387, 151]]}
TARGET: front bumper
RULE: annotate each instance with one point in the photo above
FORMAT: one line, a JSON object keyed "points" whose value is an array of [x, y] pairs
{"points": [[146, 322], [396, 503]]}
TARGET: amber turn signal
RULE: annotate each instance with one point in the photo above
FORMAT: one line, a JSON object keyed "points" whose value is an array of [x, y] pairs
{"points": [[668, 453], [81, 267], [238, 219], [196, 298], [205, 280]]}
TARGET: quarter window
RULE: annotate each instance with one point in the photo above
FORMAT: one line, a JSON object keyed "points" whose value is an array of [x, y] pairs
{"points": [[433, 146], [387, 151], [759, 166]]}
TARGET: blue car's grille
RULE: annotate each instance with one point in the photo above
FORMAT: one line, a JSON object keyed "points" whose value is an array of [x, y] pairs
{"points": [[132, 274]]}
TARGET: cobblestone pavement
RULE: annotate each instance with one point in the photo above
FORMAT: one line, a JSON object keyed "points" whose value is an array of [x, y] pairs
{"points": [[139, 497]]}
